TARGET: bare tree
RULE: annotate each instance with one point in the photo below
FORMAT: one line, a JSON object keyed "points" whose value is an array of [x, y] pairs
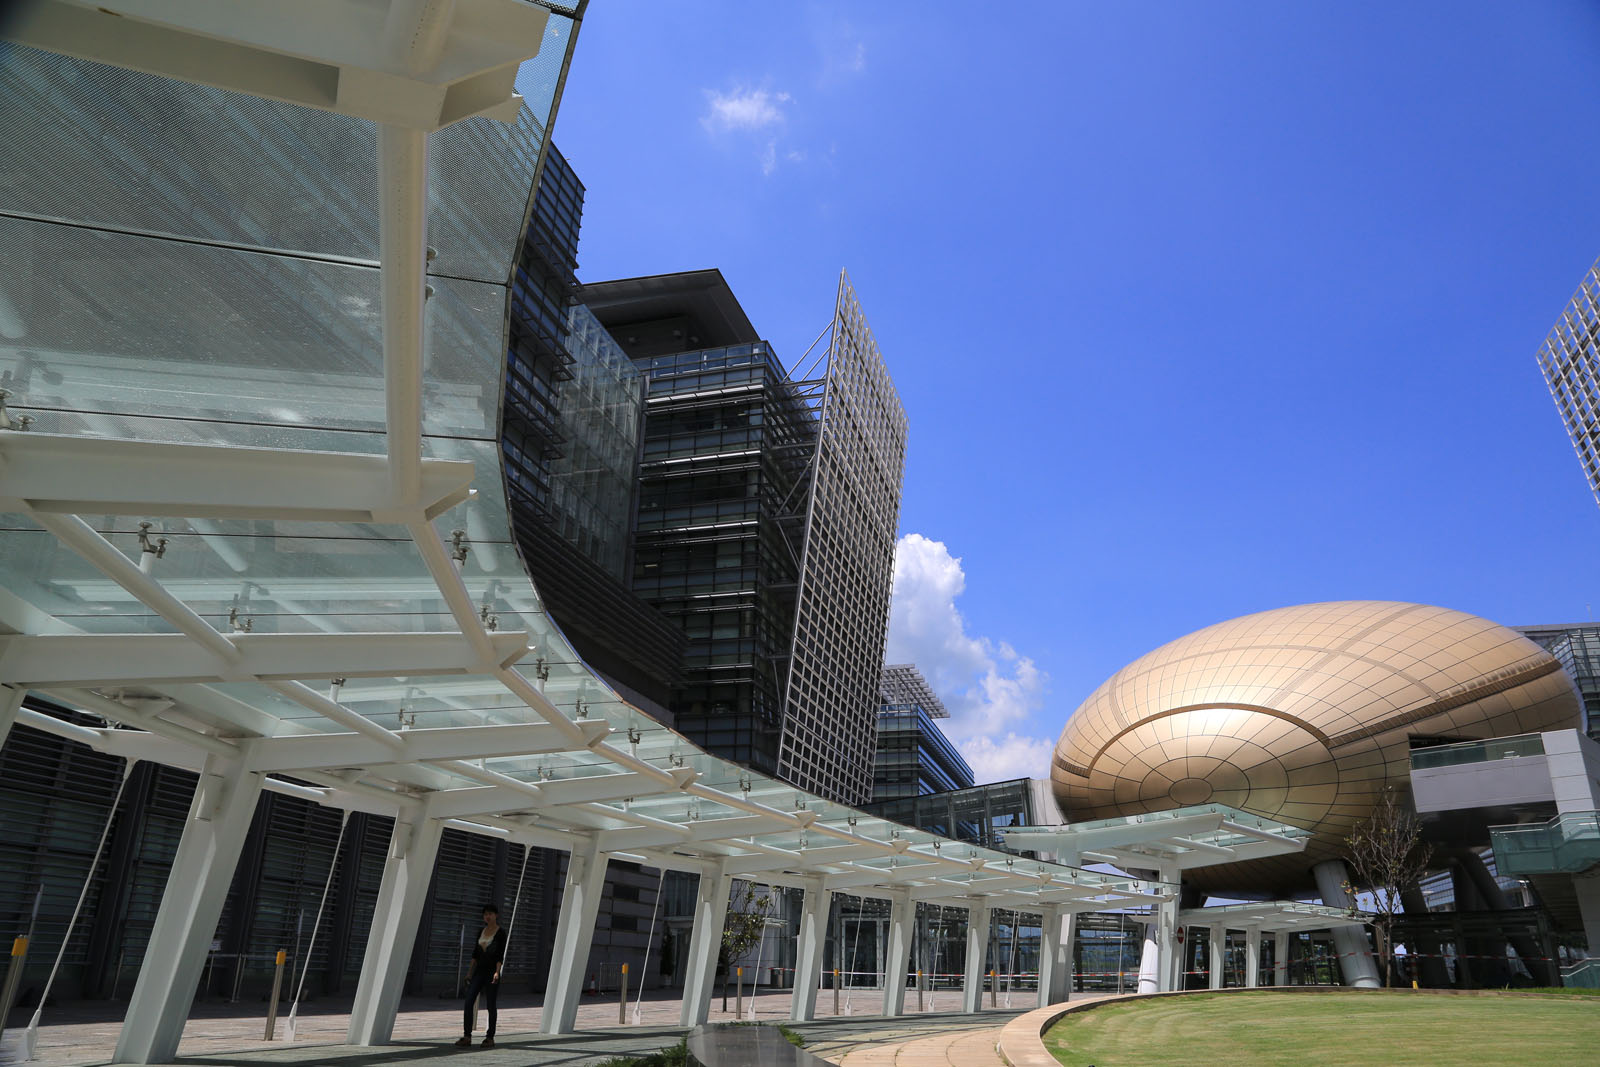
{"points": [[1387, 857], [748, 912]]}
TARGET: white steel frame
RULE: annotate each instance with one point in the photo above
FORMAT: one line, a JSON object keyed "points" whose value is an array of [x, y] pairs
{"points": [[560, 781]]}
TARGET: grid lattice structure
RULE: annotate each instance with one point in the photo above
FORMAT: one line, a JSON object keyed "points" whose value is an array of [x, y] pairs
{"points": [[903, 684], [1570, 360], [842, 610]]}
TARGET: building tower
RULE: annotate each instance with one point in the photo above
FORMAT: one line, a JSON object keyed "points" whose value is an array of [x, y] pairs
{"points": [[768, 505], [1570, 360]]}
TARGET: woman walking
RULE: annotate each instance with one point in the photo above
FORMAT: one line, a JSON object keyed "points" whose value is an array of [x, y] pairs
{"points": [[483, 975]]}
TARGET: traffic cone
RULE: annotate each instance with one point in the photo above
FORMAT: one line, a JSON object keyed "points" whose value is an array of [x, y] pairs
{"points": [[594, 985]]}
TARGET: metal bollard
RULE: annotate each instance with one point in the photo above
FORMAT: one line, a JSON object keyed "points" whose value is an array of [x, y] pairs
{"points": [[919, 990], [272, 1007], [994, 991], [8, 995], [836, 991], [738, 992], [622, 1002]]}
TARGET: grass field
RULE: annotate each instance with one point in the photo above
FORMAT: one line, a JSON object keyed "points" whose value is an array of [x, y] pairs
{"points": [[1378, 1029]]}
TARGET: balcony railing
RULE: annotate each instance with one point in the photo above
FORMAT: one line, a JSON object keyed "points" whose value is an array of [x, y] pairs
{"points": [[1477, 751], [1566, 844]]}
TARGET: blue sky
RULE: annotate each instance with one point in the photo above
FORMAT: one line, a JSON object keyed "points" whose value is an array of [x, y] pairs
{"points": [[1195, 309]]}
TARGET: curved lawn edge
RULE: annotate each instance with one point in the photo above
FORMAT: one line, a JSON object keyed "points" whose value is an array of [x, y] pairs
{"points": [[1021, 1042]]}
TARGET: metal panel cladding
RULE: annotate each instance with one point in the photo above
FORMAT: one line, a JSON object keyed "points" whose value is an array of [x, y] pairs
{"points": [[1570, 360], [842, 611]]}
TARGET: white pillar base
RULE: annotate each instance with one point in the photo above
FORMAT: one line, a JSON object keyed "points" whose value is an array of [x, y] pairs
{"points": [[1055, 956], [219, 817], [902, 928], [1252, 958], [1216, 955], [407, 873], [1150, 960], [580, 906], [808, 953], [977, 956], [710, 916]]}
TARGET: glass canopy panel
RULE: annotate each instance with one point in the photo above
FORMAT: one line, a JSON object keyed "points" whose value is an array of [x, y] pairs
{"points": [[260, 328]]}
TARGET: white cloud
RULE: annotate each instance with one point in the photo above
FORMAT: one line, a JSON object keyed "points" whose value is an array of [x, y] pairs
{"points": [[743, 109], [1013, 756], [990, 689], [769, 158]]}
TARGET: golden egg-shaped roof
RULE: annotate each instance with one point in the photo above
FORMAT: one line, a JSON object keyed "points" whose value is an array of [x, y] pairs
{"points": [[1301, 714]]}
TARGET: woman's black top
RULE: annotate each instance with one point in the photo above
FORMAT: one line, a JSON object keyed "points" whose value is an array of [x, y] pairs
{"points": [[493, 954]]}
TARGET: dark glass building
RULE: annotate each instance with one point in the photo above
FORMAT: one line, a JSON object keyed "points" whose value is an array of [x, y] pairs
{"points": [[913, 755], [767, 506], [570, 435]]}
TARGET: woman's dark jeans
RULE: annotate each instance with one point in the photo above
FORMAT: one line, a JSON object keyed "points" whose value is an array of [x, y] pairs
{"points": [[480, 982]]}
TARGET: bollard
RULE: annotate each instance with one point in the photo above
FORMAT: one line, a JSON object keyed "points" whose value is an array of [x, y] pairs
{"points": [[919, 990], [994, 991], [272, 1008], [738, 992], [8, 995], [836, 991], [622, 1003]]}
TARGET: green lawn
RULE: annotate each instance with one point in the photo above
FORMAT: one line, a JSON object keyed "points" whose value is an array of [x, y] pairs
{"points": [[1392, 1029]]}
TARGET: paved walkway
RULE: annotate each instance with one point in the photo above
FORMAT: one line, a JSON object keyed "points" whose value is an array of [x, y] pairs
{"points": [[80, 1034]]}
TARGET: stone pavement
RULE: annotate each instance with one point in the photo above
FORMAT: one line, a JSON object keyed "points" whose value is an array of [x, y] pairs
{"points": [[220, 1033]]}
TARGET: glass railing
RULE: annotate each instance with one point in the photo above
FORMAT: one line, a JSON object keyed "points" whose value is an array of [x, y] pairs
{"points": [[1567, 844], [1477, 751], [1583, 975]]}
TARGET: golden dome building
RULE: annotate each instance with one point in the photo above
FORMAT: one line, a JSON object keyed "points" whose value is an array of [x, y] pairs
{"points": [[1302, 715]]}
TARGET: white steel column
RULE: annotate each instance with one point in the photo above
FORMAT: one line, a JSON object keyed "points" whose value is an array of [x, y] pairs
{"points": [[1055, 955], [977, 956], [808, 952], [1355, 953], [902, 928], [580, 904], [403, 249], [219, 817], [10, 701], [1280, 958], [407, 873], [1152, 969], [1252, 957], [1215, 952], [710, 915]]}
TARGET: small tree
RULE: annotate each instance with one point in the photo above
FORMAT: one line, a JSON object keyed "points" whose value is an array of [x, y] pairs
{"points": [[1388, 858], [748, 912]]}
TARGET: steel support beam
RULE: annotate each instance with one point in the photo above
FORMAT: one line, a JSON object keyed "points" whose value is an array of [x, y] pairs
{"points": [[569, 955], [62, 474], [808, 952], [219, 818], [90, 660], [710, 916], [1280, 957], [1355, 954], [977, 956], [407, 872], [324, 751]]}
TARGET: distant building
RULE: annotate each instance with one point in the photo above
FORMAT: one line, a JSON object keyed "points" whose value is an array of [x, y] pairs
{"points": [[1570, 360], [913, 755], [1577, 647]]}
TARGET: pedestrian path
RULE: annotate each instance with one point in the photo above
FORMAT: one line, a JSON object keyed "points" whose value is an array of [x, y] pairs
{"points": [[968, 1048]]}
